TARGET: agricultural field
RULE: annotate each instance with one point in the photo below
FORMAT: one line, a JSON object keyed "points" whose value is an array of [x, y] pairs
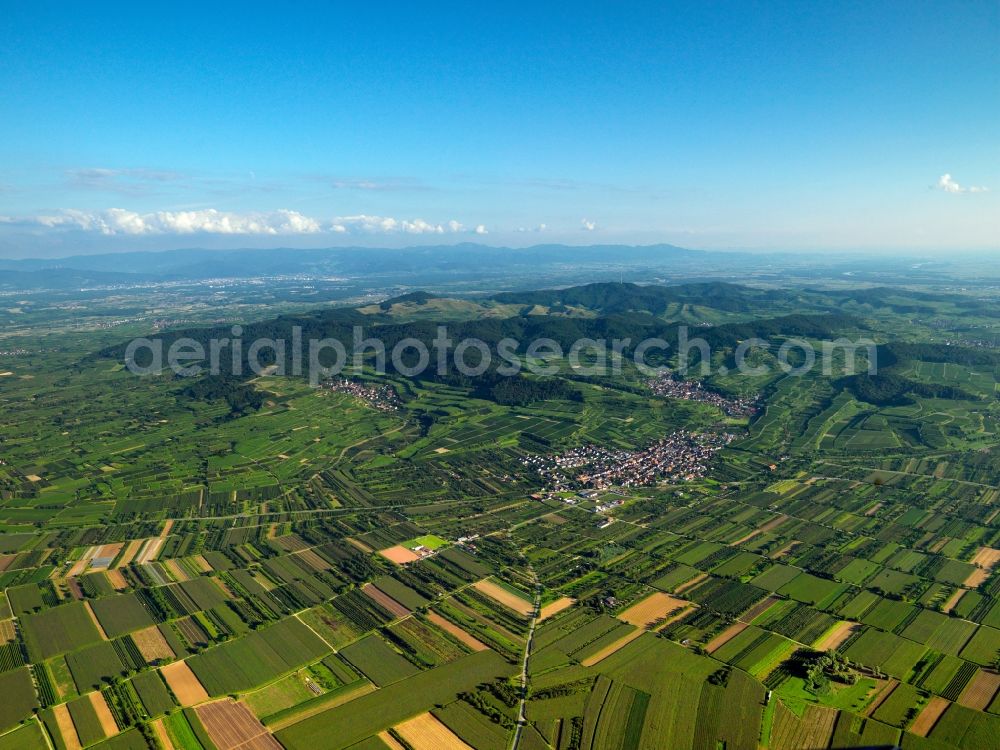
{"points": [[331, 570]]}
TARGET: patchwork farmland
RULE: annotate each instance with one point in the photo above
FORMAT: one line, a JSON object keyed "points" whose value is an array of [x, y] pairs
{"points": [[320, 572]]}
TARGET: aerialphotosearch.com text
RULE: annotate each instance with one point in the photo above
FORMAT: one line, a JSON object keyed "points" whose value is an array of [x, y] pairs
{"points": [[318, 359]]}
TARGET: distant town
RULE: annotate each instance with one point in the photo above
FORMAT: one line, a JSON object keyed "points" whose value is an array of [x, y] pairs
{"points": [[692, 390], [382, 397], [681, 456]]}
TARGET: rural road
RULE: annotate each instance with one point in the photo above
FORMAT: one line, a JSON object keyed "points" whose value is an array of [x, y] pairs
{"points": [[521, 718]]}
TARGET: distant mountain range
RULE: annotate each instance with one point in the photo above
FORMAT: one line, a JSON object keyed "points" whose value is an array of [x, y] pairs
{"points": [[197, 263], [352, 262], [444, 266]]}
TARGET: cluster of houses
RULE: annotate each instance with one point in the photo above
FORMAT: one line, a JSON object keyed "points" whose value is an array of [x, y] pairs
{"points": [[680, 456], [692, 390], [382, 397]]}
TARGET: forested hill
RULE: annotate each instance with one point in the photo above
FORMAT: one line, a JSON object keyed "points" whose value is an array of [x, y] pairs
{"points": [[901, 351], [627, 297], [339, 324]]}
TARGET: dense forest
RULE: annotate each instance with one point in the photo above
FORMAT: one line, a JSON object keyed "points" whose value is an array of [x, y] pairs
{"points": [[621, 298], [240, 396], [631, 326], [890, 389]]}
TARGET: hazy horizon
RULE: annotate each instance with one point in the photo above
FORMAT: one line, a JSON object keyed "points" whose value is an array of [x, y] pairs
{"points": [[68, 252]]}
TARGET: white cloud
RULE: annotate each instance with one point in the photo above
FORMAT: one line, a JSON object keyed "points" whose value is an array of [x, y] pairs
{"points": [[948, 184], [120, 221], [588, 226], [365, 224]]}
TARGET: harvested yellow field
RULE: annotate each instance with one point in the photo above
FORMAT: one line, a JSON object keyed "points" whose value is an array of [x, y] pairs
{"points": [[117, 579], [152, 645], [130, 552], [652, 609], [161, 734], [985, 560], [835, 636], [675, 616], [691, 584], [150, 550], [746, 538], [987, 557], [953, 600], [449, 627], [933, 711], [503, 596], [183, 683], [554, 608], [426, 732], [83, 563], [359, 544], [611, 648], [725, 636], [66, 727], [7, 632], [939, 544], [97, 623], [976, 578], [763, 528], [104, 715], [176, 571], [784, 550], [201, 564], [882, 695]]}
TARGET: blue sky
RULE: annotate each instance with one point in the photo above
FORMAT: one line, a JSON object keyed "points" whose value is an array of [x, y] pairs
{"points": [[868, 125]]}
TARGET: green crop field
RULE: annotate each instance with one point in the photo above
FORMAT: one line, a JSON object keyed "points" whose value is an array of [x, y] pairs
{"points": [[57, 630], [257, 658], [377, 661], [19, 696], [121, 614], [384, 708], [85, 720]]}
